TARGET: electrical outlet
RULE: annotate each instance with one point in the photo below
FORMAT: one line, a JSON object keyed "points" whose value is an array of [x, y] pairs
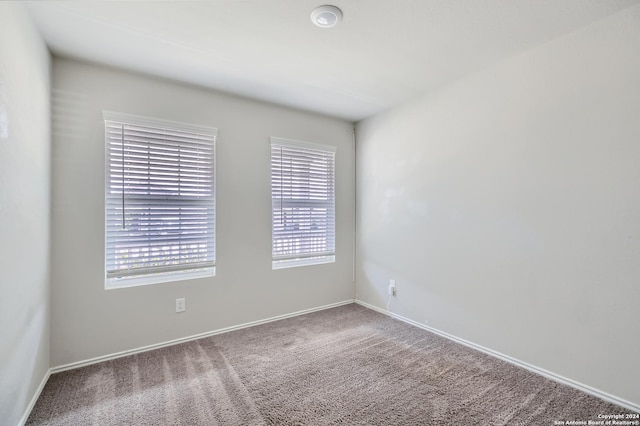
{"points": [[181, 305], [392, 287]]}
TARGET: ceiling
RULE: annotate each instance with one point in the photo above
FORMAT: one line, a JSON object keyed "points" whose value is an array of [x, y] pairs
{"points": [[383, 53]]}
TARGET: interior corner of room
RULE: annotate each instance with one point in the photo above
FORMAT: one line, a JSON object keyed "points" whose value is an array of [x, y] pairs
{"points": [[498, 207]]}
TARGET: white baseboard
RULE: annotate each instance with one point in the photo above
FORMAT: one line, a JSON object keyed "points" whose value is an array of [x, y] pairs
{"points": [[34, 399], [541, 371], [116, 355]]}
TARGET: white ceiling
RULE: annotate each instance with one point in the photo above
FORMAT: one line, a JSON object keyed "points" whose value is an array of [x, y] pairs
{"points": [[383, 53]]}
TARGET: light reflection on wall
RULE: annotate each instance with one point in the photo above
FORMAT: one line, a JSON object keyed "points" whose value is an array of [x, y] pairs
{"points": [[4, 111]]}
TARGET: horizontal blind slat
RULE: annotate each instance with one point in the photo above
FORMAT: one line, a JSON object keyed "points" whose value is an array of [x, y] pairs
{"points": [[186, 266]]}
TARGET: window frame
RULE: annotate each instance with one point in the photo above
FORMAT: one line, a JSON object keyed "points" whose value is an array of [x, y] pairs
{"points": [[165, 273], [310, 258]]}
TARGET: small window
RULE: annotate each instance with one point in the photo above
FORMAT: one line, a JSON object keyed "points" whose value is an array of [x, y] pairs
{"points": [[303, 203], [159, 201]]}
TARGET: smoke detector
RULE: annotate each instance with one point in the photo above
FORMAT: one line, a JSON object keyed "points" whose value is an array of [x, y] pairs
{"points": [[326, 16]]}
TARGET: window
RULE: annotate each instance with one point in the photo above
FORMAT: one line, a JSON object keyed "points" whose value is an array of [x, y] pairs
{"points": [[303, 203], [159, 201]]}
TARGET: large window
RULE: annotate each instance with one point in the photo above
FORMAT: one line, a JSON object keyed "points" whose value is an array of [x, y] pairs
{"points": [[303, 203], [159, 200]]}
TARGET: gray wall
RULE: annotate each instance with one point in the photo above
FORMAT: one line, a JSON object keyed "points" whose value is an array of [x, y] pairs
{"points": [[507, 207], [88, 321], [24, 211]]}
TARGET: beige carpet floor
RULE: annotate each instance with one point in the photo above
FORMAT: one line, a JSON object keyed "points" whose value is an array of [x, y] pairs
{"points": [[343, 366]]}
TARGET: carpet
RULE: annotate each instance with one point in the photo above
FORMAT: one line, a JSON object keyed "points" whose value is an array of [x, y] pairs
{"points": [[343, 366]]}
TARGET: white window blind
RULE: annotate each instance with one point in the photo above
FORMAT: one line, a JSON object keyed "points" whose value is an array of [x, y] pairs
{"points": [[303, 203], [160, 199]]}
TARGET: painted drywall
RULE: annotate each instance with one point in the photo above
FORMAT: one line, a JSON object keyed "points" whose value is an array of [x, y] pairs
{"points": [[89, 321], [507, 207], [24, 211]]}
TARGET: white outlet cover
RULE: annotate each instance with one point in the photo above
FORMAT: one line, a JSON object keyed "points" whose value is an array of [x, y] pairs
{"points": [[181, 305]]}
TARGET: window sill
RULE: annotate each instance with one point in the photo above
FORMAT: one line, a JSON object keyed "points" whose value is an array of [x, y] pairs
{"points": [[294, 263], [117, 283]]}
